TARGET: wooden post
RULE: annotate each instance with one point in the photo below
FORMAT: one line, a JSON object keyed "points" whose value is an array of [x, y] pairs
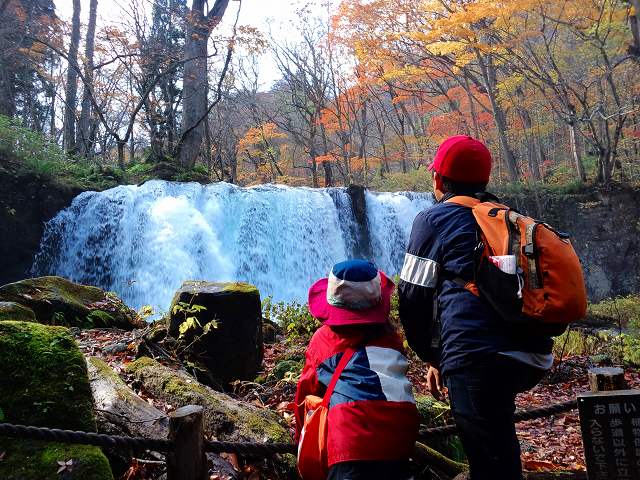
{"points": [[188, 460], [606, 379]]}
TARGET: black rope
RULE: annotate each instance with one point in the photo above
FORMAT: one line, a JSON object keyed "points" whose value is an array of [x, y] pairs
{"points": [[84, 438], [240, 448], [137, 443], [519, 416]]}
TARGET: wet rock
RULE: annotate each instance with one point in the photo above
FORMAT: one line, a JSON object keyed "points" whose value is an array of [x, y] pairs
{"points": [[226, 337], [58, 301]]}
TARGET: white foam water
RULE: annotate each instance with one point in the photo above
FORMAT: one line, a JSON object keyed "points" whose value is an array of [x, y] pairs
{"points": [[143, 241]]}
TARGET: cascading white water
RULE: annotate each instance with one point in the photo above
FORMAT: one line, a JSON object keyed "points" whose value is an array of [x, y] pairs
{"points": [[143, 241]]}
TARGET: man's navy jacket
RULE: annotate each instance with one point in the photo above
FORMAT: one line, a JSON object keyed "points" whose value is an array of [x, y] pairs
{"points": [[441, 249]]}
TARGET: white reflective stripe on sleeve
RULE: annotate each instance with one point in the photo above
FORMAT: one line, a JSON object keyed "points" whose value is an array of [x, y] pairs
{"points": [[420, 271], [391, 367]]}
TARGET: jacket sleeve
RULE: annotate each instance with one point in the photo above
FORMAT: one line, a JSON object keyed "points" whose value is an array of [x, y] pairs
{"points": [[307, 385], [418, 283]]}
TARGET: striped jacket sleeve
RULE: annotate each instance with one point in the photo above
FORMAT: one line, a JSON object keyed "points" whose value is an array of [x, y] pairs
{"points": [[419, 280]]}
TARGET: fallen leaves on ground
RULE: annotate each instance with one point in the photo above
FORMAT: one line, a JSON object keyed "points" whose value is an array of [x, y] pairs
{"points": [[548, 444]]}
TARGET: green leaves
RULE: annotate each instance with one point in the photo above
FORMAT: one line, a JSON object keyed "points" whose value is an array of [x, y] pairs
{"points": [[191, 323]]}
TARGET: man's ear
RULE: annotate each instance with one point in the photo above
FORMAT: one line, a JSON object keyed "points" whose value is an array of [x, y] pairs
{"points": [[437, 181]]}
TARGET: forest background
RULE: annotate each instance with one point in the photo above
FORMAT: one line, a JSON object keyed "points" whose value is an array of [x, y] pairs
{"points": [[363, 92]]}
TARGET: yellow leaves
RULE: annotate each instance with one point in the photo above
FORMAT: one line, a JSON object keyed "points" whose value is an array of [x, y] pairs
{"points": [[449, 47]]}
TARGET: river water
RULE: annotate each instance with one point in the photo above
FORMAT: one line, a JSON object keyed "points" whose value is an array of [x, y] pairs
{"points": [[143, 241]]}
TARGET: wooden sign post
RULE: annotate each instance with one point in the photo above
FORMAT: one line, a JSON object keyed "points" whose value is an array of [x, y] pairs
{"points": [[610, 423]]}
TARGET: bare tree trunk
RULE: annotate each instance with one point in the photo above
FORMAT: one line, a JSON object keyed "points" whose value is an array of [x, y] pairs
{"points": [[489, 76], [575, 153], [71, 93], [83, 141], [533, 148], [195, 81]]}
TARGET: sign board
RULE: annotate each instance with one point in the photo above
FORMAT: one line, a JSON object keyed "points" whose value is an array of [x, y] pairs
{"points": [[610, 423]]}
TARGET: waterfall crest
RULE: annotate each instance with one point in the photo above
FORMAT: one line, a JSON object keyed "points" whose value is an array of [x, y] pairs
{"points": [[143, 241]]}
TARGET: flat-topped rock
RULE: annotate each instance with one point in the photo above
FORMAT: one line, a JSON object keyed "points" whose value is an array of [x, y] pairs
{"points": [[226, 336]]}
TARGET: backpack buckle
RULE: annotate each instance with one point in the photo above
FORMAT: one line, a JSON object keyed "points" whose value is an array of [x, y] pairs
{"points": [[528, 250]]}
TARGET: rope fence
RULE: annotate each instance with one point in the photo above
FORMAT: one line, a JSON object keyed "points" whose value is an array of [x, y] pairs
{"points": [[240, 448]]}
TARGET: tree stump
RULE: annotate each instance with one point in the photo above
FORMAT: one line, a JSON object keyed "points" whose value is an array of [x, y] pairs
{"points": [[605, 379]]}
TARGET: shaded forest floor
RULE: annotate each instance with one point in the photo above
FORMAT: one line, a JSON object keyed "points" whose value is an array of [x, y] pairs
{"points": [[548, 444]]}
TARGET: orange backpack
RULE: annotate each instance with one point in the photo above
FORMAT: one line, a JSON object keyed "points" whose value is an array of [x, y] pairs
{"points": [[548, 284], [312, 448]]}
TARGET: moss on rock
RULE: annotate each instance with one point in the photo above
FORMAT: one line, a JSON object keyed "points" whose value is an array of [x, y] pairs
{"points": [[58, 301], [226, 418], [15, 311], [43, 382], [37, 460]]}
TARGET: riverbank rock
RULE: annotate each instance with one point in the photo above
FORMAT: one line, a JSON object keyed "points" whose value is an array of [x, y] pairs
{"points": [[225, 418], [43, 382], [231, 347], [58, 301], [15, 311]]}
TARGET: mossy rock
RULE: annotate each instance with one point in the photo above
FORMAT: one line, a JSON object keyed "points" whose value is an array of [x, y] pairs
{"points": [[26, 460], [43, 382], [233, 350], [435, 414], [58, 301], [225, 418], [15, 311]]}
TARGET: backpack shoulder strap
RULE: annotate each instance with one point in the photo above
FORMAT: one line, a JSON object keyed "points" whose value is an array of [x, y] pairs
{"points": [[464, 201], [346, 356]]}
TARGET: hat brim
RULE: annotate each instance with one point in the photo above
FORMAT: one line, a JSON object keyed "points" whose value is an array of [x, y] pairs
{"points": [[330, 315]]}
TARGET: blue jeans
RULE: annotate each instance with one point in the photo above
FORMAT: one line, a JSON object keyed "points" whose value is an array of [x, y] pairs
{"points": [[483, 403]]}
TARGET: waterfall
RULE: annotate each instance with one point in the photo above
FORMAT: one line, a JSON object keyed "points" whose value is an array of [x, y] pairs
{"points": [[143, 241]]}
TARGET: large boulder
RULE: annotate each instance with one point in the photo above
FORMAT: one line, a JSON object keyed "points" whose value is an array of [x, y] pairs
{"points": [[224, 417], [231, 347], [43, 382], [58, 301], [15, 311]]}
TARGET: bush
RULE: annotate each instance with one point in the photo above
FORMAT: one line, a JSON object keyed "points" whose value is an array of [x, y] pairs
{"points": [[33, 153], [623, 311], [293, 317]]}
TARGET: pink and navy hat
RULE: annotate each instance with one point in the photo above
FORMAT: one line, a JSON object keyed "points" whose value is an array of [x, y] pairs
{"points": [[355, 292]]}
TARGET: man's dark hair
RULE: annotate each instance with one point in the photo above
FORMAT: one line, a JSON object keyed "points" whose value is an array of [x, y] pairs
{"points": [[462, 188]]}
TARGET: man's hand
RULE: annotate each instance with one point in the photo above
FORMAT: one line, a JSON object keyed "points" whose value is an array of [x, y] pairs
{"points": [[434, 381]]}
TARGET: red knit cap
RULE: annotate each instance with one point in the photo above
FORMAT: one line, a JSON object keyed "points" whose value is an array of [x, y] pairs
{"points": [[463, 159]]}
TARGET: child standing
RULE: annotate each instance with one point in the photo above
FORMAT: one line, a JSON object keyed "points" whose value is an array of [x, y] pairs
{"points": [[372, 417]]}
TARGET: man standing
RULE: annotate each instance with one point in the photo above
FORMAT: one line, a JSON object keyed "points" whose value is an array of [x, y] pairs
{"points": [[483, 361]]}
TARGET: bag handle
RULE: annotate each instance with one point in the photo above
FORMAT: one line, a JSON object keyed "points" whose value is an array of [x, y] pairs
{"points": [[346, 356]]}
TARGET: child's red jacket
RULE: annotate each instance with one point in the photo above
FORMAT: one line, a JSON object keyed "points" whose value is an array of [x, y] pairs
{"points": [[372, 412]]}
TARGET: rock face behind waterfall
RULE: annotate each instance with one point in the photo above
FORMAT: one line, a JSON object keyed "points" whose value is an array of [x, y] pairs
{"points": [[231, 349]]}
